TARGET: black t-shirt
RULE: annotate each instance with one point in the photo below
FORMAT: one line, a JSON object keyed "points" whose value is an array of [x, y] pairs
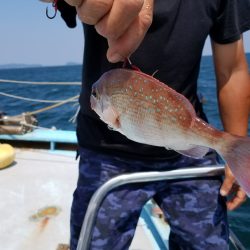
{"points": [[173, 46]]}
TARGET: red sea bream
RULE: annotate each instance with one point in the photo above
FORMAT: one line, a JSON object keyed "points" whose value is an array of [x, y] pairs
{"points": [[147, 111]]}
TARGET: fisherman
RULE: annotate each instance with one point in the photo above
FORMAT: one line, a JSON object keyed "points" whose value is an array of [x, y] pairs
{"points": [[167, 36]]}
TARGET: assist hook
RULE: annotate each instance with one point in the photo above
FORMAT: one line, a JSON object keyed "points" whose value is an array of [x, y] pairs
{"points": [[54, 5]]}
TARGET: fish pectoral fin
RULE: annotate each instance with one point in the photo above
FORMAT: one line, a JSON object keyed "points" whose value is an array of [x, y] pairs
{"points": [[115, 125], [194, 151]]}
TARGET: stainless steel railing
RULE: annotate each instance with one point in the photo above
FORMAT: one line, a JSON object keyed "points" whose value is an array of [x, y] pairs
{"points": [[235, 241], [96, 200]]}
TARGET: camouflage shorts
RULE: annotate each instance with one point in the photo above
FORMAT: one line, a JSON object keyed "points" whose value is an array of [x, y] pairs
{"points": [[194, 208]]}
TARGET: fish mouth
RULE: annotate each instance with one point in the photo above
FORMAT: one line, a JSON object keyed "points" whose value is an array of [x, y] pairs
{"points": [[94, 98], [93, 102], [96, 105]]}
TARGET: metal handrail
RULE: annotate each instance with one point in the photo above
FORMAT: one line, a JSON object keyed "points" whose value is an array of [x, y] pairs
{"points": [[99, 195], [235, 241]]}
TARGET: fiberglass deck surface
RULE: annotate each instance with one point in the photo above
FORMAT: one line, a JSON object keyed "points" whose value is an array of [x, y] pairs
{"points": [[36, 195]]}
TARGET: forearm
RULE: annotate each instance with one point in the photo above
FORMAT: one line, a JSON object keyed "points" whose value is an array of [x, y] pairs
{"points": [[233, 86], [234, 101]]}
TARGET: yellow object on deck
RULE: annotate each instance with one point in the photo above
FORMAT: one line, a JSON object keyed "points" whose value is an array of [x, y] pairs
{"points": [[7, 155]]}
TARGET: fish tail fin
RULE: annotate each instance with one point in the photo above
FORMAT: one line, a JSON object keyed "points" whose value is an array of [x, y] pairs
{"points": [[236, 153]]}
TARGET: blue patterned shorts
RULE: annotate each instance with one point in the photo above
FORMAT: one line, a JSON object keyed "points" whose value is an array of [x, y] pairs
{"points": [[194, 209]]}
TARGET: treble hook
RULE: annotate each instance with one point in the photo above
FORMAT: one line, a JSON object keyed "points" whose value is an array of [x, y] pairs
{"points": [[54, 5]]}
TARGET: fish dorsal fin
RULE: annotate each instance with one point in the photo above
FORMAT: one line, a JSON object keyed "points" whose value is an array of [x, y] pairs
{"points": [[194, 152], [155, 72]]}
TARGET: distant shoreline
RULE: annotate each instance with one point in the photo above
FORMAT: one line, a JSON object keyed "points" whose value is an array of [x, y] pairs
{"points": [[24, 66]]}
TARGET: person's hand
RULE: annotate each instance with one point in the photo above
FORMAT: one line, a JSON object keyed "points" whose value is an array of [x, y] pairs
{"points": [[73, 2], [232, 188], [123, 23]]}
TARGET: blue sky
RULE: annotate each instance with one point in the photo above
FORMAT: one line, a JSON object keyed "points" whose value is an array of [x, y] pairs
{"points": [[27, 36]]}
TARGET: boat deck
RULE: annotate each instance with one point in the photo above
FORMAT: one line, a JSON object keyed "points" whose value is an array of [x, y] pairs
{"points": [[36, 192]]}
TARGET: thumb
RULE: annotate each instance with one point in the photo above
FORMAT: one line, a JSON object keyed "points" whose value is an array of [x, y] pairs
{"points": [[227, 183], [126, 44], [73, 2]]}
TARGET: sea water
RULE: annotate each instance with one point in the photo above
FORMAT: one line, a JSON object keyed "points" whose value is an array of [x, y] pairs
{"points": [[59, 117]]}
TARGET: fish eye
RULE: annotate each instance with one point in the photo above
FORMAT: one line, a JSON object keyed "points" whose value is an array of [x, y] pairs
{"points": [[94, 93]]}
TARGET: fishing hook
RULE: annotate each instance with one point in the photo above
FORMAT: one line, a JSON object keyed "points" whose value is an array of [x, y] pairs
{"points": [[54, 5], [128, 64]]}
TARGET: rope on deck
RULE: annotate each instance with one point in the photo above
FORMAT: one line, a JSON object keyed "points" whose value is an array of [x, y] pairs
{"points": [[32, 100], [37, 127], [57, 102], [54, 105]]}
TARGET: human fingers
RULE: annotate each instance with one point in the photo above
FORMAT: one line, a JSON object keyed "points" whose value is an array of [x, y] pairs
{"points": [[73, 2], [228, 182], [232, 189], [125, 45], [91, 11], [47, 1], [120, 17], [237, 199]]}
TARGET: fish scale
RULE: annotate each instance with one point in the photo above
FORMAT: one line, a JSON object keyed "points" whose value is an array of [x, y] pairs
{"points": [[148, 111]]}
